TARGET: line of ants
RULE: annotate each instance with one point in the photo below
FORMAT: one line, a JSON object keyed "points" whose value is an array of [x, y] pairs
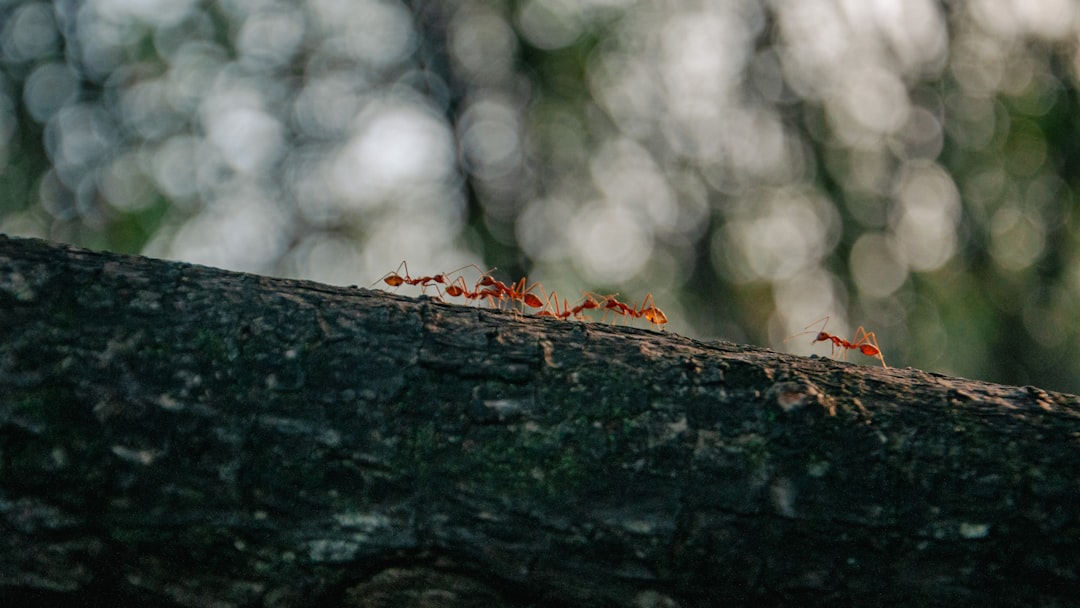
{"points": [[498, 294]]}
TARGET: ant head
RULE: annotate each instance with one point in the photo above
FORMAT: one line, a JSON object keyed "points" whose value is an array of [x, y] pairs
{"points": [[822, 337]]}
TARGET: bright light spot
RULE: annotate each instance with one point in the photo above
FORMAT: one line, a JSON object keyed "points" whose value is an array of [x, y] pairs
{"points": [[549, 24], [928, 209], [875, 266], [627, 176], [307, 170], [813, 37], [242, 231], [874, 99], [49, 87], [626, 88], [757, 146], [78, 138], [125, 186], [151, 12], [146, 109], [1049, 19], [250, 139], [970, 531], [378, 33], [327, 104], [395, 146], [327, 259], [612, 246], [193, 69], [174, 166], [269, 38], [697, 73], [30, 33], [483, 44], [978, 65], [489, 137], [541, 229], [776, 238], [1016, 238], [913, 31]]}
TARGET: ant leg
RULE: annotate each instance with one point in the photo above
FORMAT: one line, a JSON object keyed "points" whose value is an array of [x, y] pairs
{"points": [[550, 310], [824, 323], [446, 278], [546, 312], [425, 282]]}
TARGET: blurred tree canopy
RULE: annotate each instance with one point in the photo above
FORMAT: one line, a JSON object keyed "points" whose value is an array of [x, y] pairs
{"points": [[909, 167]]}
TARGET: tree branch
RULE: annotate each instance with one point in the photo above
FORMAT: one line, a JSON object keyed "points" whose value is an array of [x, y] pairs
{"points": [[187, 436]]}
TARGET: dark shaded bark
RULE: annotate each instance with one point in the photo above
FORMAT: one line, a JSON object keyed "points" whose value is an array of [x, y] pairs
{"points": [[185, 436]]}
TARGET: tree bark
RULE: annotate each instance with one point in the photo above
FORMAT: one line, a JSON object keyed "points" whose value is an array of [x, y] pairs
{"points": [[184, 436]]}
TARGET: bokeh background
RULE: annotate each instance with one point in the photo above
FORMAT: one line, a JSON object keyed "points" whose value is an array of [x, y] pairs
{"points": [[906, 165]]}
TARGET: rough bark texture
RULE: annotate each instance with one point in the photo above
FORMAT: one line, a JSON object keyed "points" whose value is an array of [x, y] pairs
{"points": [[183, 436]]}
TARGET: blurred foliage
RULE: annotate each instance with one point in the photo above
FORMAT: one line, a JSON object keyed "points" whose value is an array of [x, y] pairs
{"points": [[909, 167]]}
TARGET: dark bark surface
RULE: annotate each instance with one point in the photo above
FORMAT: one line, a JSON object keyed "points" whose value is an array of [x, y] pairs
{"points": [[183, 436]]}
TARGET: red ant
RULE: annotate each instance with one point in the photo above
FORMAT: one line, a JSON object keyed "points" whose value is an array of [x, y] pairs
{"points": [[648, 309], [501, 291], [865, 341], [609, 304], [491, 289], [395, 279], [586, 303], [459, 288], [524, 294]]}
